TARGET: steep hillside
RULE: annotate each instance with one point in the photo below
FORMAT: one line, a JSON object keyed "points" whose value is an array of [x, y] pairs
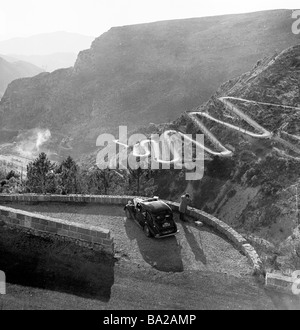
{"points": [[11, 71], [145, 73], [252, 157], [255, 189]]}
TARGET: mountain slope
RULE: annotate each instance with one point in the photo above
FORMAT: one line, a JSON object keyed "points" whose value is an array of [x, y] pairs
{"points": [[11, 71], [145, 73], [256, 188]]}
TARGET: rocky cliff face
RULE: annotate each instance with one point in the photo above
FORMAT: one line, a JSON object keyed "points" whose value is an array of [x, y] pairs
{"points": [[275, 81], [145, 73]]}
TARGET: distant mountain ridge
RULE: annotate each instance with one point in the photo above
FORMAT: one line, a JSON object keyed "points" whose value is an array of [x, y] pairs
{"points": [[15, 70], [135, 75], [46, 43], [50, 62], [49, 51]]}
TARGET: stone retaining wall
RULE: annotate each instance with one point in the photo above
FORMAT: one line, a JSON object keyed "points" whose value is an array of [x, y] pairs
{"points": [[279, 282], [33, 198], [90, 234], [238, 240]]}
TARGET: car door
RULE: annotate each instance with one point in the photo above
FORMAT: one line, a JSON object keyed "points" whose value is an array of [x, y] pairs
{"points": [[149, 221], [140, 214]]}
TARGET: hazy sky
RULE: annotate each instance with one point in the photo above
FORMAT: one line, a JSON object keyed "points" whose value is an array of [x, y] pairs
{"points": [[93, 17]]}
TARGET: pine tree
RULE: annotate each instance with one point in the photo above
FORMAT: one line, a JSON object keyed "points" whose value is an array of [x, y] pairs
{"points": [[40, 175], [101, 180], [141, 182], [67, 177]]}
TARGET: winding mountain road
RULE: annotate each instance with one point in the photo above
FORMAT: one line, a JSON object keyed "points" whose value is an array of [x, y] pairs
{"points": [[262, 103], [224, 152]]}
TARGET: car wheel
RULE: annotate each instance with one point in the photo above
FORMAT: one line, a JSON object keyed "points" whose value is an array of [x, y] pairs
{"points": [[128, 215], [147, 231]]}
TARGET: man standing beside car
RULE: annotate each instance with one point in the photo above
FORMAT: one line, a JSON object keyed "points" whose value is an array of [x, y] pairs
{"points": [[185, 201]]}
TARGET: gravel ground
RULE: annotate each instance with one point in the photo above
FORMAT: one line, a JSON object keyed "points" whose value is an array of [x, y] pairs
{"points": [[193, 248]]}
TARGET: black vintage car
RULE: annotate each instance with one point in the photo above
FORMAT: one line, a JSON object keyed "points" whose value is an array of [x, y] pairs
{"points": [[153, 215]]}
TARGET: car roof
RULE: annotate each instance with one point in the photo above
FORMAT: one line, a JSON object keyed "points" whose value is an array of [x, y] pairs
{"points": [[155, 206]]}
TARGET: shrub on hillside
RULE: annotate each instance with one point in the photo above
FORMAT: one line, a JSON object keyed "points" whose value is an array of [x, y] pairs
{"points": [[220, 168]]}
